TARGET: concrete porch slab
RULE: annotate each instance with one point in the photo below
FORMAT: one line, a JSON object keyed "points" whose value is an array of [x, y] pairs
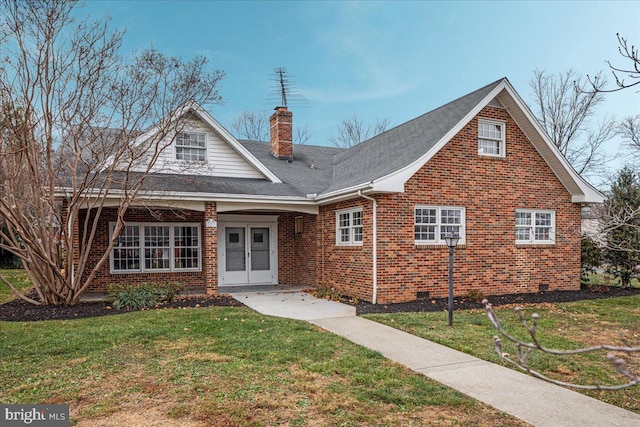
{"points": [[292, 304]]}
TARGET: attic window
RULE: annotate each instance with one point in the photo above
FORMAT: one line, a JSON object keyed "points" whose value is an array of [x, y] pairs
{"points": [[491, 138], [191, 146]]}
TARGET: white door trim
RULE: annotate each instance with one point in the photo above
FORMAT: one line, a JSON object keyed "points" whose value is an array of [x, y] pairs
{"points": [[247, 222]]}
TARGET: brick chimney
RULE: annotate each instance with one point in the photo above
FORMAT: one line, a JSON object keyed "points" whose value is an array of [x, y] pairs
{"points": [[281, 123]]}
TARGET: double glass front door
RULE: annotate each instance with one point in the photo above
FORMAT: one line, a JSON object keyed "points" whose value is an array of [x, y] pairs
{"points": [[247, 255]]}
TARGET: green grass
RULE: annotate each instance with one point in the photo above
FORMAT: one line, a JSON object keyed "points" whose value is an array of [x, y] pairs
{"points": [[614, 321], [219, 366], [17, 278]]}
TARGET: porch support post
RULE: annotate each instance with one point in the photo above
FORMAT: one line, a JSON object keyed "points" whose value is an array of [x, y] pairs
{"points": [[72, 232], [210, 248]]}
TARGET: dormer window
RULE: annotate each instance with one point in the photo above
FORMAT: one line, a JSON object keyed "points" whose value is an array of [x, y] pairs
{"points": [[491, 138], [191, 146]]}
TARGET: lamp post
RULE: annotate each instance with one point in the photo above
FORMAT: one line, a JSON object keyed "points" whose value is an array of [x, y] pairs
{"points": [[451, 239]]}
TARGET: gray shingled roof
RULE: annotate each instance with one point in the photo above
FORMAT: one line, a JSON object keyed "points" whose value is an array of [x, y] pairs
{"points": [[402, 145], [334, 168], [298, 178], [377, 157], [217, 185], [299, 173]]}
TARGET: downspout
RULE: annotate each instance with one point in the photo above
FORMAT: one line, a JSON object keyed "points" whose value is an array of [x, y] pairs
{"points": [[375, 245]]}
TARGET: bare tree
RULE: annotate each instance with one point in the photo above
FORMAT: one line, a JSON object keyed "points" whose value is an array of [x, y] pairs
{"points": [[629, 129], [302, 135], [565, 109], [353, 131], [630, 71], [525, 349], [254, 126], [72, 133]]}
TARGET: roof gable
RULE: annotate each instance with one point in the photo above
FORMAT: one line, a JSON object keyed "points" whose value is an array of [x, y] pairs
{"points": [[226, 157], [385, 163], [402, 146], [233, 143]]}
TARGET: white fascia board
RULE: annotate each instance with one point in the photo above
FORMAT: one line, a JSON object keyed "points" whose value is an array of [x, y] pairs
{"points": [[233, 142], [342, 194], [589, 193], [212, 197], [223, 206], [594, 197], [199, 206], [395, 181], [155, 203], [193, 196]]}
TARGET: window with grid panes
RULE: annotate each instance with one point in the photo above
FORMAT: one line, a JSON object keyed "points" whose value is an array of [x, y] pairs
{"points": [[535, 226], [187, 247], [156, 247], [152, 247], [433, 223], [191, 146], [349, 227], [490, 138], [125, 255]]}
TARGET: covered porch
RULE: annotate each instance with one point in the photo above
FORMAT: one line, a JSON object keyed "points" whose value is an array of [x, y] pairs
{"points": [[266, 246]]}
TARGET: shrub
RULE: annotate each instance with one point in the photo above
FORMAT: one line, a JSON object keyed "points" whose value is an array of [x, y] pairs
{"points": [[144, 295], [330, 293], [474, 295], [590, 256]]}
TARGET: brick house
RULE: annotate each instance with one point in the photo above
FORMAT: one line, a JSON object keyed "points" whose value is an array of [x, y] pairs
{"points": [[369, 220]]}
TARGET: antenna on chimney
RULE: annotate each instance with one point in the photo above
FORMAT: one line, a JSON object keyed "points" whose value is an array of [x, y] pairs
{"points": [[284, 89], [284, 84]]}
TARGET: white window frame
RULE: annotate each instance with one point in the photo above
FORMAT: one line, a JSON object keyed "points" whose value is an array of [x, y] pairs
{"points": [[354, 231], [492, 139], [141, 247], [531, 227], [191, 147], [438, 224]]}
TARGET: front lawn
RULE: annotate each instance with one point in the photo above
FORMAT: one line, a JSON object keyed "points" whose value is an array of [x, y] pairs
{"points": [[614, 321], [219, 366], [17, 278]]}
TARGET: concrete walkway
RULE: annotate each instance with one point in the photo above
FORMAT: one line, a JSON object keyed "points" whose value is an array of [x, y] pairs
{"points": [[529, 399]]}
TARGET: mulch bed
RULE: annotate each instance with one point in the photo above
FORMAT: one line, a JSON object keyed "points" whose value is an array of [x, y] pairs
{"points": [[441, 304], [19, 310]]}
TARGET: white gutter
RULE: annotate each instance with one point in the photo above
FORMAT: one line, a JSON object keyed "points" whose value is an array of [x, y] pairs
{"points": [[342, 193], [192, 196], [375, 245]]}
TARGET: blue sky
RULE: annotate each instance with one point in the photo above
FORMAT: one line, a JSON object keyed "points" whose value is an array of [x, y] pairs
{"points": [[379, 59]]}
